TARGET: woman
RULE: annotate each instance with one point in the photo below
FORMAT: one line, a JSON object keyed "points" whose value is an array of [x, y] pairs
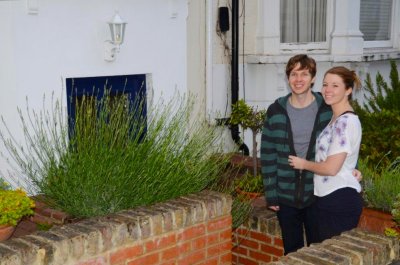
{"points": [[339, 202]]}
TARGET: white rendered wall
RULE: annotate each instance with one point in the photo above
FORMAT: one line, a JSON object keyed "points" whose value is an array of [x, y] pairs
{"points": [[65, 38]]}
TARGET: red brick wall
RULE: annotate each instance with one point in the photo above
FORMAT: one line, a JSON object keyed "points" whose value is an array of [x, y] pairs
{"points": [[252, 247], [194, 229], [257, 241], [206, 243]]}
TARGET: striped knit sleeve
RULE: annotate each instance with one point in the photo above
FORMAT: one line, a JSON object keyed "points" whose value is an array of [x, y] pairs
{"points": [[269, 164]]}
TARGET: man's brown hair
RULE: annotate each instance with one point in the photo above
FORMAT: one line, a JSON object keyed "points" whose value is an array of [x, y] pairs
{"points": [[305, 63]]}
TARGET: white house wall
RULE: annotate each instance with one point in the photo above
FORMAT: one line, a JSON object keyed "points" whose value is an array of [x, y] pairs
{"points": [[66, 38]]}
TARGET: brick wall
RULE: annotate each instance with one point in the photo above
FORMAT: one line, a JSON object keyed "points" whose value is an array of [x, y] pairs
{"points": [[258, 241], [46, 215], [194, 229], [352, 247]]}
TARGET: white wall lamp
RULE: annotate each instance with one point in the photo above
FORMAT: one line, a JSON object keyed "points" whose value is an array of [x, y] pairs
{"points": [[117, 30]]}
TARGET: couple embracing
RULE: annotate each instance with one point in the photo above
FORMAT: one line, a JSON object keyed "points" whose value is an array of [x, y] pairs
{"points": [[309, 151]]}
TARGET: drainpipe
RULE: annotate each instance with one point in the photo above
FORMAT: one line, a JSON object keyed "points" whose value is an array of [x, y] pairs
{"points": [[235, 74], [209, 56]]}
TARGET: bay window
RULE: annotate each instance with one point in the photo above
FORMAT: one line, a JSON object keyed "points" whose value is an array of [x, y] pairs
{"points": [[303, 21], [375, 19]]}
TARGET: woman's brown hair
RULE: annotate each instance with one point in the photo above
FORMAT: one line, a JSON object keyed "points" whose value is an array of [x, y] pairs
{"points": [[349, 77]]}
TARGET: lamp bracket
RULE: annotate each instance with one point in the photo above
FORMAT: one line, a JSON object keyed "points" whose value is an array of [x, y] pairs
{"points": [[110, 50]]}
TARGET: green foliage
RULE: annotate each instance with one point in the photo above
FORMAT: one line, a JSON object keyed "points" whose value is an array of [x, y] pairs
{"points": [[396, 210], [241, 209], [249, 183], [249, 118], [43, 226], [380, 188], [383, 96], [115, 158], [4, 185], [380, 119], [381, 137], [391, 232], [14, 204]]}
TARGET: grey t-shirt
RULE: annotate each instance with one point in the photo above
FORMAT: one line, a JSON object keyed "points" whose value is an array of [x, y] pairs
{"points": [[302, 121]]}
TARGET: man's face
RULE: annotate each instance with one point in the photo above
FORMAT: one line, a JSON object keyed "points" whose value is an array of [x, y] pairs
{"points": [[300, 81]]}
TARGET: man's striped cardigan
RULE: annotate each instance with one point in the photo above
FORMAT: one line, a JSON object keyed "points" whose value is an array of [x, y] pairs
{"points": [[282, 183]]}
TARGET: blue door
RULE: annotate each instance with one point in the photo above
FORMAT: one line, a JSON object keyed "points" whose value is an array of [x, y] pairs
{"points": [[132, 87]]}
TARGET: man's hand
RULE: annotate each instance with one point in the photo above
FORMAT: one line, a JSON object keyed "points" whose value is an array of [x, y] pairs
{"points": [[274, 208]]}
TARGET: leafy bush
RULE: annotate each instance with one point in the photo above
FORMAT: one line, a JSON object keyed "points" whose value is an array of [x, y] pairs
{"points": [[380, 188], [249, 118], [384, 96], [14, 204], [114, 158], [381, 137], [249, 183], [380, 117], [396, 210], [394, 231]]}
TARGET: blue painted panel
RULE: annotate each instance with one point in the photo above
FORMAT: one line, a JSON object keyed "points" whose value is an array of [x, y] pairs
{"points": [[133, 86]]}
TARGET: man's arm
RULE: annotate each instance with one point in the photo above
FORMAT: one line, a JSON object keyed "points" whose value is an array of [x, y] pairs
{"points": [[269, 166]]}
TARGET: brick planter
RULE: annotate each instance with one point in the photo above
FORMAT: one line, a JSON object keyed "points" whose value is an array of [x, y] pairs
{"points": [[44, 215], [375, 221]]}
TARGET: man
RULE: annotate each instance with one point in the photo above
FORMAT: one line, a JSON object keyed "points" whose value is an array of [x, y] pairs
{"points": [[291, 127]]}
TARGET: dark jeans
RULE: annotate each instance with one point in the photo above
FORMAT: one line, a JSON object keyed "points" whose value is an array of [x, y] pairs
{"points": [[294, 222], [338, 211]]}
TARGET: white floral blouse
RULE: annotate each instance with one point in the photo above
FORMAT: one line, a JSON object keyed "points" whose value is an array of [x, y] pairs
{"points": [[342, 135]]}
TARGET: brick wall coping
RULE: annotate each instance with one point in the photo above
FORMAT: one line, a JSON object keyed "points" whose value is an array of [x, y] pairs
{"points": [[352, 247], [264, 221], [357, 246], [71, 242]]}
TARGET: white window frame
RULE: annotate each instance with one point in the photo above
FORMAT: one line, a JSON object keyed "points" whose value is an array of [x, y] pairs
{"points": [[312, 47], [393, 31], [343, 43]]}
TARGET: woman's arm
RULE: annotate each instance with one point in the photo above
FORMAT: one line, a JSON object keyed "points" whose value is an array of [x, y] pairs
{"points": [[329, 167]]}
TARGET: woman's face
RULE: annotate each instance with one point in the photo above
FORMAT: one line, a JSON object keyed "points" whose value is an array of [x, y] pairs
{"points": [[334, 90]]}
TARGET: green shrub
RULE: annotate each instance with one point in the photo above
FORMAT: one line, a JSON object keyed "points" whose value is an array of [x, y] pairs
{"points": [[249, 118], [380, 188], [115, 159], [380, 116], [250, 183], [14, 204], [396, 210], [383, 96], [241, 211], [381, 137]]}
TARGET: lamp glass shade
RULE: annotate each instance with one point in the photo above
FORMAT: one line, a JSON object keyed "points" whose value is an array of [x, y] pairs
{"points": [[117, 29]]}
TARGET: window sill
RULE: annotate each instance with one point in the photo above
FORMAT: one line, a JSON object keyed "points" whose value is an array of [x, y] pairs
{"points": [[378, 54], [370, 54]]}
